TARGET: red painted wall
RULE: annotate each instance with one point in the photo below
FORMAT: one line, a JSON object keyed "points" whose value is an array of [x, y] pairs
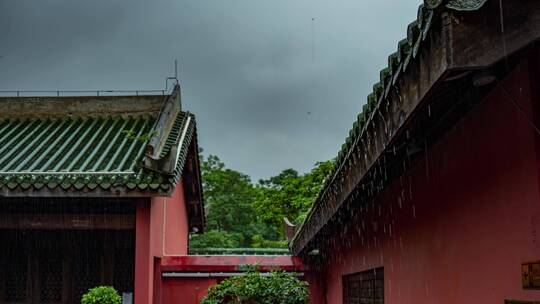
{"points": [[457, 227], [143, 266], [186, 290], [230, 263], [170, 230], [317, 289], [191, 290], [161, 230]]}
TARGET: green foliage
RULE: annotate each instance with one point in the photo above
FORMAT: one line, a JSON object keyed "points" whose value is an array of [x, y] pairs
{"points": [[277, 288], [101, 295], [289, 194], [257, 241], [216, 239], [243, 214], [228, 194], [231, 219]]}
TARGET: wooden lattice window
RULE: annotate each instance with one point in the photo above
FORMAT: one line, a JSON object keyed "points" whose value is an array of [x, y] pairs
{"points": [[87, 272], [51, 281], [16, 272], [124, 263], [364, 287]]}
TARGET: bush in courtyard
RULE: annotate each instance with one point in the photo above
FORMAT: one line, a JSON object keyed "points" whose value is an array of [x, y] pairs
{"points": [[101, 295], [278, 287]]}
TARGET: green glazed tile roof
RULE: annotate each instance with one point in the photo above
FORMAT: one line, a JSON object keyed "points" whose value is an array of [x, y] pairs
{"points": [[102, 152]]}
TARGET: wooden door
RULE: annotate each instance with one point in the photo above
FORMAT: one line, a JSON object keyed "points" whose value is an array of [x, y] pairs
{"points": [[38, 267]]}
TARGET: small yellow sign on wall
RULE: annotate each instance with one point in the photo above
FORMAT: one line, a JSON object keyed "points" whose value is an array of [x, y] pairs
{"points": [[530, 275]]}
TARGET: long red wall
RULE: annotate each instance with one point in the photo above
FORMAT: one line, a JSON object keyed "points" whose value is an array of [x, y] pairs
{"points": [[191, 288], [457, 227]]}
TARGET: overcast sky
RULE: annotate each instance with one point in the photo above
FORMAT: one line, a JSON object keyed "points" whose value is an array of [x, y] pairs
{"points": [[274, 84]]}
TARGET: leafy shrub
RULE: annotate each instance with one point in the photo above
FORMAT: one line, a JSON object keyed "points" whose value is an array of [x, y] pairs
{"points": [[253, 288], [101, 295]]}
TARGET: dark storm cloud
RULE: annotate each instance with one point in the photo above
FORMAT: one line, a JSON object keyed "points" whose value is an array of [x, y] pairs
{"points": [[274, 84]]}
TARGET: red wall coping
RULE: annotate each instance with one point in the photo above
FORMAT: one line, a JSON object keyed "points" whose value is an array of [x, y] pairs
{"points": [[230, 263]]}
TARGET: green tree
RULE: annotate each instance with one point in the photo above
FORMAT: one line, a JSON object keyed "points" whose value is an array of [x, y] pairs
{"points": [[289, 194], [216, 239], [231, 219], [241, 214], [229, 195]]}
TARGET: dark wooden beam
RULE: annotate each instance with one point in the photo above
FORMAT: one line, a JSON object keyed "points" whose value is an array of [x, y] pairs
{"points": [[68, 221]]}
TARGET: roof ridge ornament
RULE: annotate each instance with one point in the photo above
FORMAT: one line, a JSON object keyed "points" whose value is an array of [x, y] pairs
{"points": [[458, 5], [465, 5]]}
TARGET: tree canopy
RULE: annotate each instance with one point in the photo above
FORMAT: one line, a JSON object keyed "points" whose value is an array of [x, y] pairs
{"points": [[289, 195], [241, 213]]}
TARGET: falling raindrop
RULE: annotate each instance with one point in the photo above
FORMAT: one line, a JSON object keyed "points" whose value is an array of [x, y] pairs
{"points": [[410, 187], [427, 158]]}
